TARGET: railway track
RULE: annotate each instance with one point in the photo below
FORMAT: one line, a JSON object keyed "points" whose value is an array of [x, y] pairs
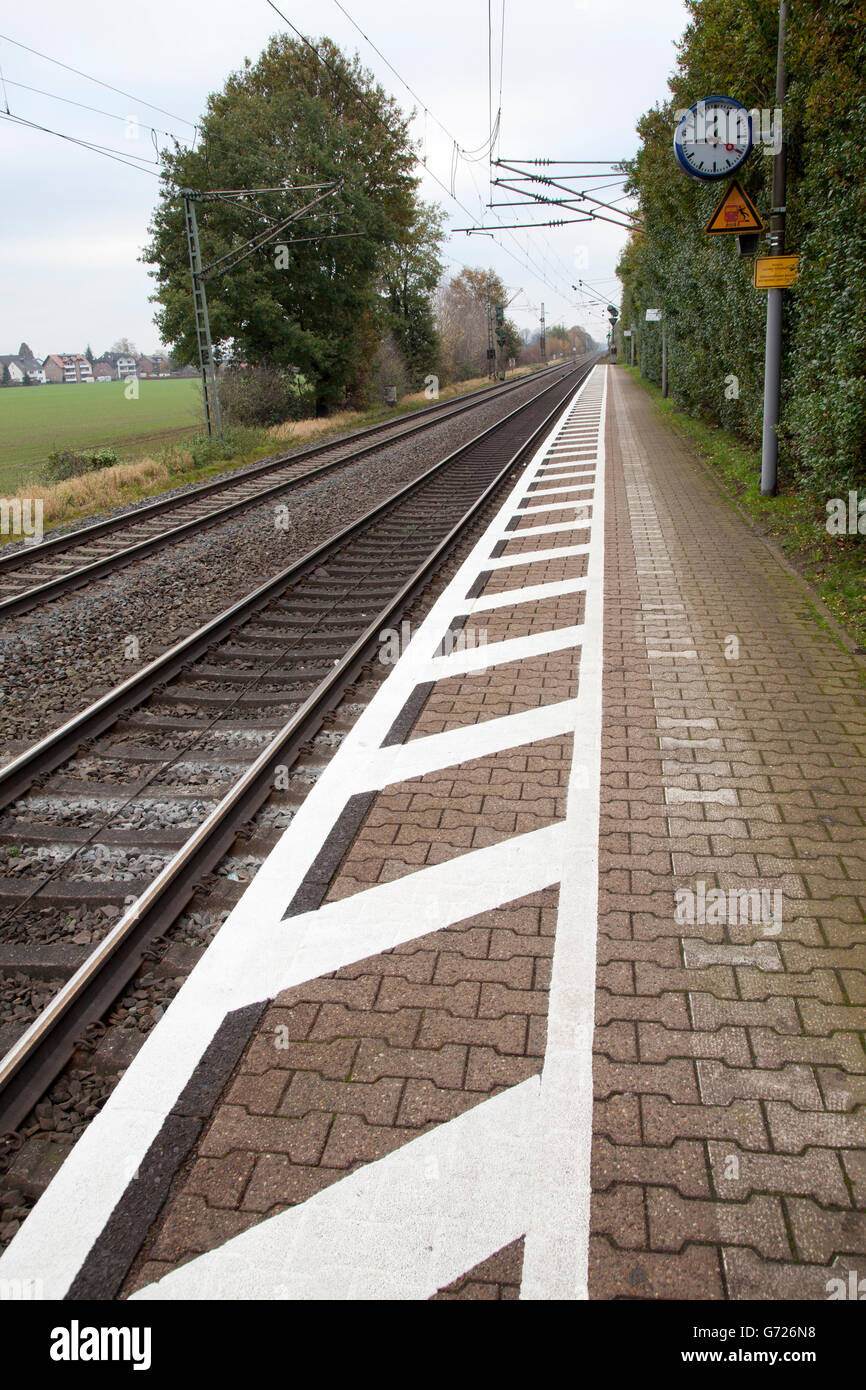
{"points": [[33, 575], [111, 820]]}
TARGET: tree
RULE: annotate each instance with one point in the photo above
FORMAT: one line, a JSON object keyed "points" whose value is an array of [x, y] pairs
{"points": [[88, 353], [290, 119], [123, 345], [410, 273], [6, 379], [461, 317]]}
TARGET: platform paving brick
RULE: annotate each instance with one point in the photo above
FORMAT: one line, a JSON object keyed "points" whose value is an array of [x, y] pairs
{"points": [[349, 1067], [491, 1280], [729, 1149], [431, 819], [508, 688], [519, 576]]}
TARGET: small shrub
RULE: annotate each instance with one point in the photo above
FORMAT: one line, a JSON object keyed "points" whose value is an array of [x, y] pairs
{"points": [[236, 440], [71, 463], [260, 396]]}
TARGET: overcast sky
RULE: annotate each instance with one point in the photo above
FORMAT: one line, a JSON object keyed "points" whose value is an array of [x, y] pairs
{"points": [[576, 76]]}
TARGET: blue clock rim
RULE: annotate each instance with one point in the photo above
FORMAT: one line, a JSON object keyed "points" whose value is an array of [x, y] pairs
{"points": [[680, 158]]}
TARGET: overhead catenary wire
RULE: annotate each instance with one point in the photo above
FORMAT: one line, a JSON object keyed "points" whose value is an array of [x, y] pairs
{"points": [[526, 263], [86, 144], [97, 110], [469, 156], [458, 151], [78, 72]]}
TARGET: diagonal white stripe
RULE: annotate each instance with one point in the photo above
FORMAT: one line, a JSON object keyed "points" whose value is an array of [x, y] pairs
{"points": [[400, 1228]]}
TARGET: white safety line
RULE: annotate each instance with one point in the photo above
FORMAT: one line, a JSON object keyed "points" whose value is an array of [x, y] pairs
{"points": [[459, 663], [518, 598], [547, 530], [555, 507], [556, 1251], [536, 557], [556, 491], [423, 755]]}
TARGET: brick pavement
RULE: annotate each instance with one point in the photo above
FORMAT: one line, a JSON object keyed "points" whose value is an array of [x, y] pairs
{"points": [[730, 1072]]}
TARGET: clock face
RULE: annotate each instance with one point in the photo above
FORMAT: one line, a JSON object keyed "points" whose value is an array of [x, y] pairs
{"points": [[714, 138]]}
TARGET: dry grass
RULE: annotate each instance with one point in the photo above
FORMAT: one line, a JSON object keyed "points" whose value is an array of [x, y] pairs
{"points": [[299, 431], [98, 491], [459, 388]]}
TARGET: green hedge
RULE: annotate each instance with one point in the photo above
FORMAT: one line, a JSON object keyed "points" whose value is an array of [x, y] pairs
{"points": [[715, 318]]}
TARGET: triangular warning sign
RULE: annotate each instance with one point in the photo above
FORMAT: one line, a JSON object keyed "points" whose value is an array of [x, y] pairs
{"points": [[735, 213]]}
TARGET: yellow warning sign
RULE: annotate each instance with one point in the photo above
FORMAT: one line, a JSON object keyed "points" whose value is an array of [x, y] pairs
{"points": [[735, 213], [776, 272]]}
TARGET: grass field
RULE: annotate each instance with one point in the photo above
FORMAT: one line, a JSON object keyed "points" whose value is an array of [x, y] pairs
{"points": [[36, 419]]}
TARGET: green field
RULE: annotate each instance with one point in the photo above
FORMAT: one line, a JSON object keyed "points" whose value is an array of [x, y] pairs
{"points": [[36, 419]]}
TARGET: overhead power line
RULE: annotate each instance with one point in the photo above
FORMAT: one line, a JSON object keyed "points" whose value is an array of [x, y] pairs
{"points": [[112, 115], [98, 81], [361, 96]]}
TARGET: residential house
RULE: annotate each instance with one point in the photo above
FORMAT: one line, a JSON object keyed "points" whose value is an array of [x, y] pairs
{"points": [[70, 367], [145, 367], [103, 370], [122, 364], [20, 365], [10, 363]]}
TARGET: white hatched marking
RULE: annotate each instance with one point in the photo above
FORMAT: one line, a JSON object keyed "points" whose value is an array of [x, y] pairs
{"points": [[257, 954]]}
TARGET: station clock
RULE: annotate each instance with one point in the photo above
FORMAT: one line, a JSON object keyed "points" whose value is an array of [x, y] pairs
{"points": [[713, 139]]}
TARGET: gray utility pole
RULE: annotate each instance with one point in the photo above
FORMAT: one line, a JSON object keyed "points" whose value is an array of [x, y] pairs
{"points": [[543, 339], [206, 362], [491, 337], [200, 273], [664, 357], [631, 344], [775, 247]]}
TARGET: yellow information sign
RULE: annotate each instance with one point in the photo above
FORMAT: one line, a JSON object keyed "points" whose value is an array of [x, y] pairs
{"points": [[776, 272], [735, 213]]}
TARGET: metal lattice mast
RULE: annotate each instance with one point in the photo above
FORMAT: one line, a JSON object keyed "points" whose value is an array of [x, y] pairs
{"points": [[202, 322]]}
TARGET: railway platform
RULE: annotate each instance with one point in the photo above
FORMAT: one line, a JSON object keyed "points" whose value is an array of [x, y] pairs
{"points": [[555, 985]]}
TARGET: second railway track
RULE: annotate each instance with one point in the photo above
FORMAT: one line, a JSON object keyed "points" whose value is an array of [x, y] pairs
{"points": [[111, 820], [32, 575]]}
